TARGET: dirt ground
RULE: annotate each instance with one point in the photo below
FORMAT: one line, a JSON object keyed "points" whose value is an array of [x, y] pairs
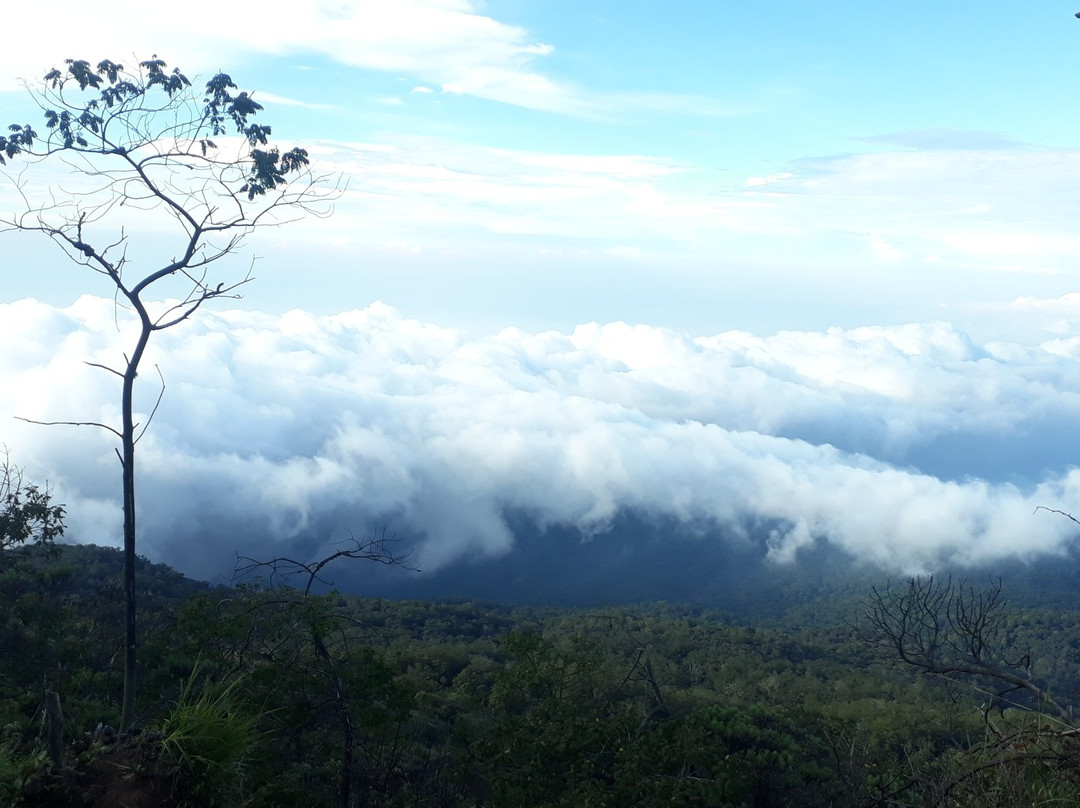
{"points": [[116, 778]]}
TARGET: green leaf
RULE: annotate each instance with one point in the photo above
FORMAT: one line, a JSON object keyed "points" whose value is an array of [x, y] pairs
{"points": [[110, 70]]}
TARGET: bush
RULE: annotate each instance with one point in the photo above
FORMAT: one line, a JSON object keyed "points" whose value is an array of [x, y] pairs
{"points": [[206, 741]]}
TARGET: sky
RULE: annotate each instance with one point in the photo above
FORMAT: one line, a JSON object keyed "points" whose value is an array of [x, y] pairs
{"points": [[811, 267]]}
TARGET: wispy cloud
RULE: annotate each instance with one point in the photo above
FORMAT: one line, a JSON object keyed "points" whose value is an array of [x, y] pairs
{"points": [[959, 206], [883, 249], [272, 98], [946, 139], [668, 104], [456, 46], [446, 192], [451, 44], [961, 210]]}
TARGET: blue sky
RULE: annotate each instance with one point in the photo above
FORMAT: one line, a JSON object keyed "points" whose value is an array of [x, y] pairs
{"points": [[700, 165], [812, 264]]}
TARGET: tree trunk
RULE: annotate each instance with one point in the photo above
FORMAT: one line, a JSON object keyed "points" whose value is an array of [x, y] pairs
{"points": [[55, 719], [127, 461]]}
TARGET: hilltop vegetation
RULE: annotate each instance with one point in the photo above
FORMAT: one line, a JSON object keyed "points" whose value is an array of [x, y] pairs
{"points": [[264, 697]]}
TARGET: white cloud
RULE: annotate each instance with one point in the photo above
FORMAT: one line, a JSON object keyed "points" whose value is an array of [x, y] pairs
{"points": [[625, 251], [297, 428], [759, 182], [1027, 245], [271, 98], [959, 206], [1067, 303], [454, 45], [963, 212], [883, 249], [676, 103], [1056, 315], [449, 43], [429, 188]]}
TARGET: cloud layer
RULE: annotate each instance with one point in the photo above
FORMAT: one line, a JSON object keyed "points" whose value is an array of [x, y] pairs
{"points": [[907, 447]]}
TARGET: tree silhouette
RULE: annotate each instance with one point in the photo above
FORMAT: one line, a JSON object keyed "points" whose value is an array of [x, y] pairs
{"points": [[954, 632], [159, 186]]}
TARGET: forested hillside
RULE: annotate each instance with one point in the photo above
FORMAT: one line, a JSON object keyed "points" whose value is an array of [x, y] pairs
{"points": [[262, 696]]}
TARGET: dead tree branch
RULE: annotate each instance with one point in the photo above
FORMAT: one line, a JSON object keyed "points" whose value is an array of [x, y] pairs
{"points": [[953, 632], [380, 548]]}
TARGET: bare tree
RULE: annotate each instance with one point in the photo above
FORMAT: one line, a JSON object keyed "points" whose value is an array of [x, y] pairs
{"points": [[380, 548], [163, 185], [281, 572], [952, 631]]}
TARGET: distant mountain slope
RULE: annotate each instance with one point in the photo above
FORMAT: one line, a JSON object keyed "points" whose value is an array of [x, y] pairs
{"points": [[645, 560]]}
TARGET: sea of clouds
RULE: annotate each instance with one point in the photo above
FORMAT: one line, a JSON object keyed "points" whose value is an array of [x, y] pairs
{"points": [[909, 447]]}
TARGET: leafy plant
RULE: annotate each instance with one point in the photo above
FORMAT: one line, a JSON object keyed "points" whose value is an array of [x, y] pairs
{"points": [[16, 764], [206, 741], [28, 518]]}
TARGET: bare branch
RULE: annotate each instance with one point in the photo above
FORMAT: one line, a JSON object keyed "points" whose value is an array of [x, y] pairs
{"points": [[1059, 513], [157, 403], [380, 548], [70, 423], [952, 632], [104, 367]]}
